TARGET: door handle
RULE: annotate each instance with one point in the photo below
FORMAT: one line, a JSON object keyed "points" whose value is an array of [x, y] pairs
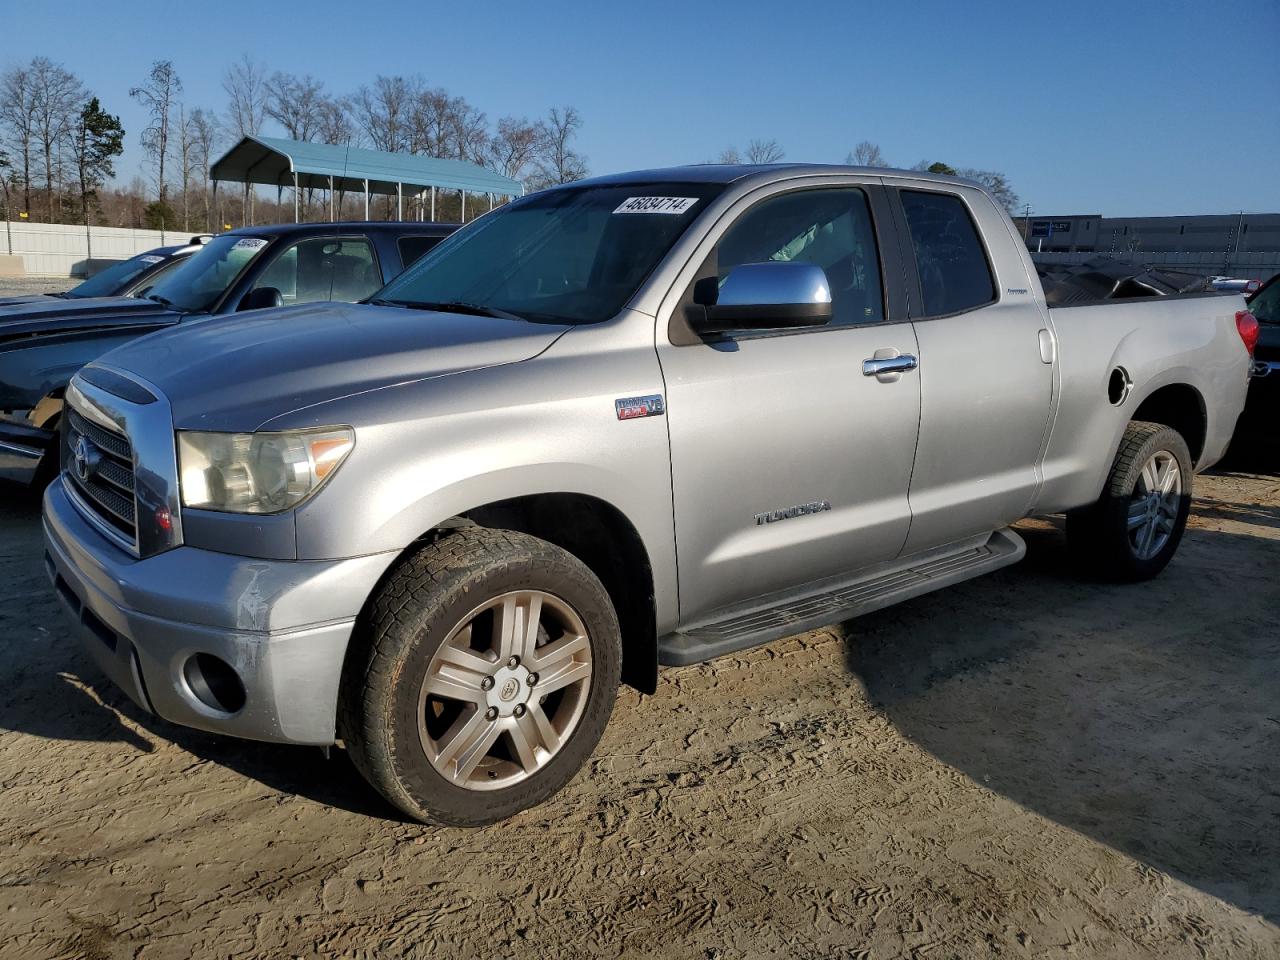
{"points": [[876, 368]]}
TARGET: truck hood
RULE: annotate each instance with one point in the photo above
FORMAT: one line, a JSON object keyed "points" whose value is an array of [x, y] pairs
{"points": [[237, 372], [54, 315]]}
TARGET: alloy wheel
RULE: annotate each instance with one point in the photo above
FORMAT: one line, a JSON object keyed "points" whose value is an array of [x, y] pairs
{"points": [[505, 690]]}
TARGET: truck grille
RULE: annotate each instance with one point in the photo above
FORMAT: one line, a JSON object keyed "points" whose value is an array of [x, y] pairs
{"points": [[106, 487]]}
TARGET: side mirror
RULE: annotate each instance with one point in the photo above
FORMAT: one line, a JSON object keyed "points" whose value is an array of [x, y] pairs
{"points": [[764, 296], [260, 298]]}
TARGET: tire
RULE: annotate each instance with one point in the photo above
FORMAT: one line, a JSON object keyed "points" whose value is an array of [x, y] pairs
{"points": [[1100, 538], [413, 685]]}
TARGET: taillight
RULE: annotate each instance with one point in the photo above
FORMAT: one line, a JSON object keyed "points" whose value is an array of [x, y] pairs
{"points": [[1247, 324]]}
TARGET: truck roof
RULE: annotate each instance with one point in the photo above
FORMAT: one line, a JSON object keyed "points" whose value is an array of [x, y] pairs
{"points": [[733, 172], [396, 227]]}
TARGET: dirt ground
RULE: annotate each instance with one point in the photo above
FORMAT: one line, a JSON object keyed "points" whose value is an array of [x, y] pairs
{"points": [[1026, 765], [22, 286]]}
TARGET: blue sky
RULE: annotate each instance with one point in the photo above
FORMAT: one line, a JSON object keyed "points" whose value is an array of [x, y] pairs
{"points": [[1119, 108]]}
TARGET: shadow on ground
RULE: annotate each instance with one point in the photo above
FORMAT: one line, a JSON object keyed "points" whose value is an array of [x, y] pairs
{"points": [[1152, 728], [54, 690]]}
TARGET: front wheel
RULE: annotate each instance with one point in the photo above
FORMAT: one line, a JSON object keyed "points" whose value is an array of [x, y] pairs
{"points": [[484, 679], [1133, 530]]}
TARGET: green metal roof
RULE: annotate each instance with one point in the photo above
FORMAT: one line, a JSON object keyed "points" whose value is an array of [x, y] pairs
{"points": [[274, 161]]}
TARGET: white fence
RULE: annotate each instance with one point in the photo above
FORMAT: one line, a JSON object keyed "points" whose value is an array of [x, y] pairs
{"points": [[61, 250]]}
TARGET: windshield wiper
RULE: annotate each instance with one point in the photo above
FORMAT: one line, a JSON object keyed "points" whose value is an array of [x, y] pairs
{"points": [[452, 306], [163, 301]]}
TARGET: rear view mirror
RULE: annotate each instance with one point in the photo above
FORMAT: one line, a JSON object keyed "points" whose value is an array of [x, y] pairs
{"points": [[260, 298], [764, 296]]}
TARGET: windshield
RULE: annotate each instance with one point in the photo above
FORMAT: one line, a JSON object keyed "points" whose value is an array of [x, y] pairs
{"points": [[112, 281], [195, 286], [573, 255]]}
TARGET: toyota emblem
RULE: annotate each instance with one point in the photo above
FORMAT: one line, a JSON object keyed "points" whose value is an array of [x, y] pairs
{"points": [[84, 458]]}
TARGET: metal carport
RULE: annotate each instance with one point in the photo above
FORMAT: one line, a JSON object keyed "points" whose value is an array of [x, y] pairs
{"points": [[274, 161]]}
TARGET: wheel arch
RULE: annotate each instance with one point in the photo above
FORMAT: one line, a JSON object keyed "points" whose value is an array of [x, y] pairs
{"points": [[601, 536], [1181, 407]]}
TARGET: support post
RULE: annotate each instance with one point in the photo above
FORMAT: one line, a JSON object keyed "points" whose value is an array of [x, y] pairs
{"points": [[366, 199], [464, 206], [491, 201], [295, 197], [331, 215], [433, 204], [399, 201]]}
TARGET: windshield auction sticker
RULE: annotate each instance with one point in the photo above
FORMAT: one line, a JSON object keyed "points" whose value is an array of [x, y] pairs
{"points": [[151, 259], [249, 243], [671, 205]]}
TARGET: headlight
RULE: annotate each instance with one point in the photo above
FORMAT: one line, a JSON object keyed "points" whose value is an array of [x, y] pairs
{"points": [[258, 472]]}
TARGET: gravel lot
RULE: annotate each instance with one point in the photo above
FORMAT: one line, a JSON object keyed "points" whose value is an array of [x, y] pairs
{"points": [[21, 286], [1027, 765]]}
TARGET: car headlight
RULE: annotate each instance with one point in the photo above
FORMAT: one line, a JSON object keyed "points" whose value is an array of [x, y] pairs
{"points": [[258, 472]]}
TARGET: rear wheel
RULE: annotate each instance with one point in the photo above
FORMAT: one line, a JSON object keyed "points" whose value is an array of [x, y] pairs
{"points": [[1133, 531], [486, 678]]}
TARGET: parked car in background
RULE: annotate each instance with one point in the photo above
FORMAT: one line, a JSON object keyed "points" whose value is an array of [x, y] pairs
{"points": [[43, 343], [650, 418], [1235, 285], [1262, 412], [124, 278]]}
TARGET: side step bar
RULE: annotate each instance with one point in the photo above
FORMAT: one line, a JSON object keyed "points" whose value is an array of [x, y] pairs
{"points": [[840, 598]]}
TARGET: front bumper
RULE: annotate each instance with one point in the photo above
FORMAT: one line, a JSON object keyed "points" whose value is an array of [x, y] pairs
{"points": [[282, 626]]}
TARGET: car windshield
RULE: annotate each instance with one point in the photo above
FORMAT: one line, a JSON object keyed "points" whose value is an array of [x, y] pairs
{"points": [[573, 255], [111, 281], [196, 286]]}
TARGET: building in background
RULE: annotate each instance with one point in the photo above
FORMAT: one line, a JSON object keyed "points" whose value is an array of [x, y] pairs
{"points": [[1237, 244]]}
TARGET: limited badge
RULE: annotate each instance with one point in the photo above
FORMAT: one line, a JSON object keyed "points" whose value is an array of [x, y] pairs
{"points": [[632, 408], [669, 205]]}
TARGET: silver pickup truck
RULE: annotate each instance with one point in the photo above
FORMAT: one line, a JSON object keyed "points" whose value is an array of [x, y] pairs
{"points": [[644, 419]]}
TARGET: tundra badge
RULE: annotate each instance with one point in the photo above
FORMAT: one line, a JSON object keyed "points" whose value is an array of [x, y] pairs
{"points": [[630, 408]]}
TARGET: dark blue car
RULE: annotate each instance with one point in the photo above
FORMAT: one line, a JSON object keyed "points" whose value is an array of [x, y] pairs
{"points": [[125, 278], [44, 341]]}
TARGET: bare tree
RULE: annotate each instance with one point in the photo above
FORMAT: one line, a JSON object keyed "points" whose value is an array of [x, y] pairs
{"points": [[7, 174], [730, 155], [997, 185], [201, 130], [512, 146], [555, 159], [188, 160], [333, 121], [382, 110], [17, 112], [245, 86], [867, 154], [159, 94], [56, 98], [764, 151], [295, 103]]}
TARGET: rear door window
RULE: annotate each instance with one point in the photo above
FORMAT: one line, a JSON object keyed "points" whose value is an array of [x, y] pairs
{"points": [[324, 268], [955, 275]]}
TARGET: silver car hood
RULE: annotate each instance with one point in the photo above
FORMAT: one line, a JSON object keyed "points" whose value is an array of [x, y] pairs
{"points": [[240, 371]]}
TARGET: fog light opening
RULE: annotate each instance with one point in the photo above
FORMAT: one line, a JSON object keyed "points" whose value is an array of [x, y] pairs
{"points": [[214, 683]]}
